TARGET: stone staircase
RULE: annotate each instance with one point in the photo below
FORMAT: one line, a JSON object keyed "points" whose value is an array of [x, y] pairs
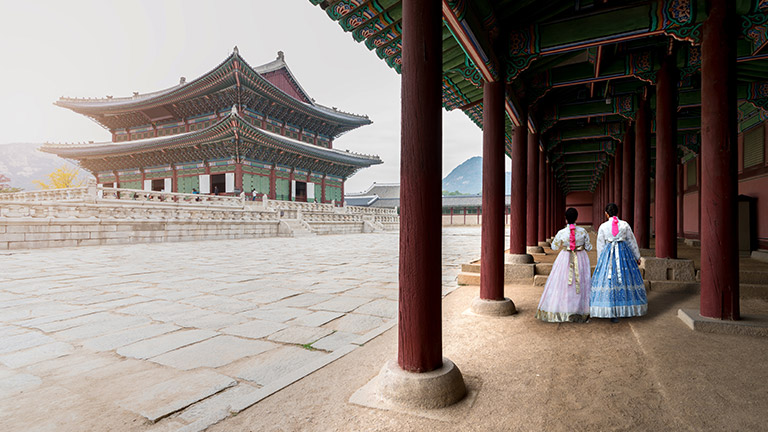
{"points": [[753, 284], [295, 228]]}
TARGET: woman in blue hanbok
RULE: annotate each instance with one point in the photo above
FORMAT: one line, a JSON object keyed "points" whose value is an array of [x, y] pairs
{"points": [[617, 286]]}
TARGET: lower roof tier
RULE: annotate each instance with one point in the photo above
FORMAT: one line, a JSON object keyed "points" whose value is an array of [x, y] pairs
{"points": [[230, 137]]}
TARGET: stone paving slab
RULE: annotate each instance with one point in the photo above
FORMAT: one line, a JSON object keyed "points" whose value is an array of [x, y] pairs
{"points": [[300, 335], [143, 319], [214, 352], [254, 329], [170, 396], [162, 344], [37, 354], [118, 339], [12, 384], [273, 364]]}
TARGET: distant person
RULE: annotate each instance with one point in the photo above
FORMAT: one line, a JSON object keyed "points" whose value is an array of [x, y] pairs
{"points": [[195, 191], [255, 194], [215, 190], [617, 286], [566, 293]]}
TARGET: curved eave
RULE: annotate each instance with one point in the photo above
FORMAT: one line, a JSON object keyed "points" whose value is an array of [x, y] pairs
{"points": [[231, 126], [221, 76]]}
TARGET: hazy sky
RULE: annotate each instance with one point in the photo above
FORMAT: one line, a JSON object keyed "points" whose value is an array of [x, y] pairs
{"points": [[72, 48]]}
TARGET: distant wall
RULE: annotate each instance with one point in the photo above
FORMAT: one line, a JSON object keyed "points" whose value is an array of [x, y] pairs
{"points": [[582, 202]]}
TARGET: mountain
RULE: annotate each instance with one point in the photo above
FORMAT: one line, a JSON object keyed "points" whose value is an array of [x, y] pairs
{"points": [[23, 163], [467, 178]]}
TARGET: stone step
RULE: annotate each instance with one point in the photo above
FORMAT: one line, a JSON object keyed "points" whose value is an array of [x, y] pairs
{"points": [[753, 291], [543, 269], [540, 280], [471, 267], [468, 278], [753, 277]]}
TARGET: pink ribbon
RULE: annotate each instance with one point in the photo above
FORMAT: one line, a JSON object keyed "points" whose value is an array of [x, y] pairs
{"points": [[615, 226], [573, 236]]}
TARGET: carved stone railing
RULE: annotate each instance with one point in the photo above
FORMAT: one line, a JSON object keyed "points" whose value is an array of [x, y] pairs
{"points": [[114, 211], [300, 206], [330, 217], [371, 210], [116, 194], [53, 195]]}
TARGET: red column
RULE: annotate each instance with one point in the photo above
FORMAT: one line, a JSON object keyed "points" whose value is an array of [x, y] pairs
{"points": [[719, 187], [642, 226], [519, 176], [550, 188], [618, 164], [273, 183], [542, 182], [532, 192], [492, 249], [628, 176], [419, 330], [680, 200], [698, 185], [665, 213], [612, 180], [239, 175]]}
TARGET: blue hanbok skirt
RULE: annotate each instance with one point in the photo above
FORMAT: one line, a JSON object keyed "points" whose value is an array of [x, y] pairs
{"points": [[617, 291]]}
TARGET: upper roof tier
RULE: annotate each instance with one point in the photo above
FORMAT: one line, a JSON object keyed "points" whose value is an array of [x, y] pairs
{"points": [[270, 89], [228, 136]]}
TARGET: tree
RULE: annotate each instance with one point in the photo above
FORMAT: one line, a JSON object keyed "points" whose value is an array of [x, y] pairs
{"points": [[5, 185], [64, 177]]}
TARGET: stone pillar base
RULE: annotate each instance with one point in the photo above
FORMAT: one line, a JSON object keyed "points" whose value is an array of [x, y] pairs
{"points": [[545, 244], [534, 249], [503, 307], [666, 269], [428, 390], [517, 258]]}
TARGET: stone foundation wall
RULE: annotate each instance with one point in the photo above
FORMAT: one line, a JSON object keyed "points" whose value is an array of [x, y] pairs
{"points": [[45, 233], [99, 216], [322, 228]]}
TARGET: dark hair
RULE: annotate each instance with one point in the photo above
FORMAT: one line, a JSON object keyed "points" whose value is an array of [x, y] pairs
{"points": [[612, 209], [571, 215]]}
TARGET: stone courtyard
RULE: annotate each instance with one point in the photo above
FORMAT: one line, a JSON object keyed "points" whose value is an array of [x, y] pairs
{"points": [[122, 337]]}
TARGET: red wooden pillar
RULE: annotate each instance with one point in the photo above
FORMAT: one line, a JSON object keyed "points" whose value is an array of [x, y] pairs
{"points": [[532, 193], [542, 183], [548, 198], [492, 231], [642, 226], [618, 176], [273, 182], [420, 272], [517, 226], [612, 180], [680, 200], [628, 179], [698, 185], [239, 176], [665, 214], [719, 187]]}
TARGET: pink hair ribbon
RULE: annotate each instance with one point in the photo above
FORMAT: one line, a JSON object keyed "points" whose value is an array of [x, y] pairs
{"points": [[615, 226], [573, 236]]}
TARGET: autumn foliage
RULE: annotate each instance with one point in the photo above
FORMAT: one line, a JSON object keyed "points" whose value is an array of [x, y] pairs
{"points": [[63, 177]]}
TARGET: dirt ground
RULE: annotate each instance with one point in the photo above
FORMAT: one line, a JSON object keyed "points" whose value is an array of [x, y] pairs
{"points": [[648, 373]]}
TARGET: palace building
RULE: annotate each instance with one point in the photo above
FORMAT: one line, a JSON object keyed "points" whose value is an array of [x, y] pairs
{"points": [[236, 128]]}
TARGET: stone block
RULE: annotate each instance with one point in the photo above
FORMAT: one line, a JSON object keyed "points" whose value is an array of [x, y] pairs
{"points": [[540, 280], [760, 255], [661, 269], [37, 354], [748, 325], [518, 273], [300, 335], [162, 344], [468, 279]]}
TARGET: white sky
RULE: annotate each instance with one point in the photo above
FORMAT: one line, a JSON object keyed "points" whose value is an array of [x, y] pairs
{"points": [[81, 48]]}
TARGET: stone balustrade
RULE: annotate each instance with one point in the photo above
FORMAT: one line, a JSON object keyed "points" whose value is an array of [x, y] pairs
{"points": [[96, 215], [48, 195]]}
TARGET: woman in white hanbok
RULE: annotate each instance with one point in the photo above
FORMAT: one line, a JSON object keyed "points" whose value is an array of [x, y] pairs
{"points": [[566, 293], [617, 285]]}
